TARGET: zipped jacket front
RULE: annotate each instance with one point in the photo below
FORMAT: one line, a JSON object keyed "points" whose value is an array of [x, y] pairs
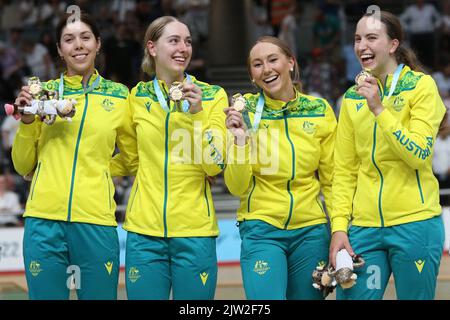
{"points": [[71, 159]]}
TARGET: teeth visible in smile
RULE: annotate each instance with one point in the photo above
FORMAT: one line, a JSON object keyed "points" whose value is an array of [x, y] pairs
{"points": [[80, 56], [366, 56], [270, 79], [178, 59]]}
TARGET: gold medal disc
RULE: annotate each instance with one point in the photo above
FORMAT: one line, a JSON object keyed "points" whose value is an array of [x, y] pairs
{"points": [[176, 92], [239, 102], [362, 76], [35, 88]]}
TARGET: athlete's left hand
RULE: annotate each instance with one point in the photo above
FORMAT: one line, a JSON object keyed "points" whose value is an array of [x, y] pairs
{"points": [[369, 90], [193, 94]]}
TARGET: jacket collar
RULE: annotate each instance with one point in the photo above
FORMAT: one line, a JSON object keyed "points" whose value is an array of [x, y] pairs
{"points": [[387, 83], [75, 82], [165, 88], [279, 104]]}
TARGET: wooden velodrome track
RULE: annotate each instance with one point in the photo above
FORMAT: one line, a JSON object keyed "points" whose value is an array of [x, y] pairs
{"points": [[229, 287]]}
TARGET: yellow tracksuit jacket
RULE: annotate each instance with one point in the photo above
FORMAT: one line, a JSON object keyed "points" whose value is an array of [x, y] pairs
{"points": [[71, 160], [286, 165], [171, 196], [383, 165]]}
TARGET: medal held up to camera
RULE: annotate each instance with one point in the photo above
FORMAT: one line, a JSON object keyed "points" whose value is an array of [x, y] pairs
{"points": [[362, 76], [176, 94], [45, 104], [238, 102]]}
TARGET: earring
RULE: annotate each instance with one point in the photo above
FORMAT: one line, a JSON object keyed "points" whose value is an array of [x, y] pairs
{"points": [[291, 70]]}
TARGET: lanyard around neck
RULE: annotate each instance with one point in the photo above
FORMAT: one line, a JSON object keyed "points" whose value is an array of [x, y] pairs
{"points": [[162, 101], [395, 79], [258, 111], [85, 91], [258, 114]]}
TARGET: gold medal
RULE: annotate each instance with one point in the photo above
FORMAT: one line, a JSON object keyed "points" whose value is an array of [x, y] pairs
{"points": [[362, 76], [35, 86], [239, 102], [176, 92]]}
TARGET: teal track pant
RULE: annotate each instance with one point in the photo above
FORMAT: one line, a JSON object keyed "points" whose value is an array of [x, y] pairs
{"points": [[277, 264], [411, 252], [55, 250], [155, 266]]}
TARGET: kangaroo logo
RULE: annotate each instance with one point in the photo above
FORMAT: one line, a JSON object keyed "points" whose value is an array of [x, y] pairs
{"points": [[133, 274], [108, 105], [35, 268], [261, 267]]}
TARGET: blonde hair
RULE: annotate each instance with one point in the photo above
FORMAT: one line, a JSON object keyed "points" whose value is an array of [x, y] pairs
{"points": [[153, 33], [287, 51]]}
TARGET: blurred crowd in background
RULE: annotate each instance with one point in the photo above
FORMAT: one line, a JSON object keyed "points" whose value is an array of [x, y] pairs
{"points": [[319, 32]]}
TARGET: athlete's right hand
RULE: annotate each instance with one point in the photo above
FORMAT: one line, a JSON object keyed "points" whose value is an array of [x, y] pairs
{"points": [[24, 99], [235, 124], [339, 241]]}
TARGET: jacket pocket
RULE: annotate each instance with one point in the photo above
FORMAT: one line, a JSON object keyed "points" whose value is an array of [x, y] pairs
{"points": [[419, 186], [108, 184], [131, 200], [35, 179], [206, 197]]}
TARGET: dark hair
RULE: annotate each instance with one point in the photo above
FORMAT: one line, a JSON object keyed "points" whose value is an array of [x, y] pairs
{"points": [[84, 17], [394, 30], [287, 51], [403, 54]]}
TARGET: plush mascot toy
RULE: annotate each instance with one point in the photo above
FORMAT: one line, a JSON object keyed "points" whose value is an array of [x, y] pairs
{"points": [[44, 104], [327, 278]]}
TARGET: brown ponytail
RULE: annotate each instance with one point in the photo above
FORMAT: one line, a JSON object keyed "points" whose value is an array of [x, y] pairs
{"points": [[408, 57], [394, 30]]}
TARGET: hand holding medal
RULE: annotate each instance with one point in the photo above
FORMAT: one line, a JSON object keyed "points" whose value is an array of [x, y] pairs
{"points": [[367, 86], [234, 121], [176, 95], [35, 100], [239, 103], [193, 95], [186, 96], [362, 76]]}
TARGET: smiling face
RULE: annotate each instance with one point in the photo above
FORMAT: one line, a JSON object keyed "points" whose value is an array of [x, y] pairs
{"points": [[78, 47], [270, 69], [172, 51], [373, 48]]}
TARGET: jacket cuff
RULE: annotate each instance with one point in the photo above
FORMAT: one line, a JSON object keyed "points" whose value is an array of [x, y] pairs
{"points": [[239, 154], [28, 130], [339, 224]]}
